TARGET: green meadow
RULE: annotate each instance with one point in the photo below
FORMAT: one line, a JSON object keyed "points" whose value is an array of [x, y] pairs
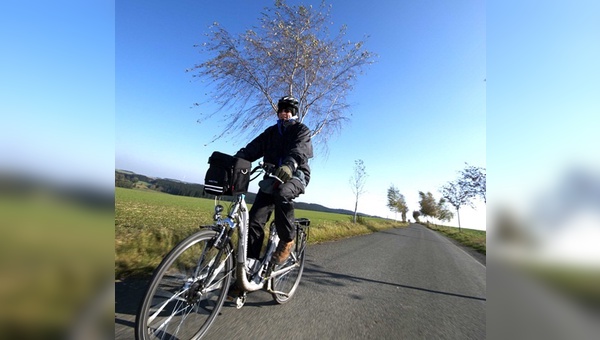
{"points": [[475, 239], [149, 223]]}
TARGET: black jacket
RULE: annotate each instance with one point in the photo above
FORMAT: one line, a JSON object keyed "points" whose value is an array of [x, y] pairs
{"points": [[280, 144]]}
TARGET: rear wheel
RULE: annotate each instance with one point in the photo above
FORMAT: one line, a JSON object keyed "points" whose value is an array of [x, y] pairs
{"points": [[285, 285], [187, 290]]}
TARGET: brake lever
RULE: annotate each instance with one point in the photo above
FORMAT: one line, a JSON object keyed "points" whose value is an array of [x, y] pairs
{"points": [[277, 178], [268, 168]]}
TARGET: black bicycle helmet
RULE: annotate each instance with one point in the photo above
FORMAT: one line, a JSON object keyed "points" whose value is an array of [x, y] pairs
{"points": [[288, 102]]}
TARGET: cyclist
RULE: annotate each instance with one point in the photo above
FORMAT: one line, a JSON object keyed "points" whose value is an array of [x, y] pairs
{"points": [[288, 146]]}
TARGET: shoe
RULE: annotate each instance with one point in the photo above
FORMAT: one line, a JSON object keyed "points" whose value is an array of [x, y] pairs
{"points": [[282, 252]]}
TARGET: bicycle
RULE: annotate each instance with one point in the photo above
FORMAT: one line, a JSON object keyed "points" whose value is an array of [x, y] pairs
{"points": [[190, 285]]}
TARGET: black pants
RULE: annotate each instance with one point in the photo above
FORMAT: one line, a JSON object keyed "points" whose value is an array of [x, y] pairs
{"points": [[281, 201]]}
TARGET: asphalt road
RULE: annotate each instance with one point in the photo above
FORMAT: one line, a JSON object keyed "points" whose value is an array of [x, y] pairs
{"points": [[405, 283]]}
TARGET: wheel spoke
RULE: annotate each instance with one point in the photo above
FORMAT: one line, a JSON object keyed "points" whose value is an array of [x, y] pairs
{"points": [[285, 280], [186, 291], [160, 309]]}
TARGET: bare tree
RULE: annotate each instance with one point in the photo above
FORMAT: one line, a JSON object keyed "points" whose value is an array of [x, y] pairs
{"points": [[470, 183], [473, 180], [458, 196], [357, 182], [397, 202], [291, 53]]}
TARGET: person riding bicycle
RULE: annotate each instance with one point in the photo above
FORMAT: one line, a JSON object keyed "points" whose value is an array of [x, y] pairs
{"points": [[288, 146]]}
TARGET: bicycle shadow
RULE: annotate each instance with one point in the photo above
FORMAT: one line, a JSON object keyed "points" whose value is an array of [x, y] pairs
{"points": [[130, 292], [128, 296]]}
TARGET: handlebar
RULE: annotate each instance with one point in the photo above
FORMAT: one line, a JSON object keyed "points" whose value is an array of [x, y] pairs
{"points": [[266, 168]]}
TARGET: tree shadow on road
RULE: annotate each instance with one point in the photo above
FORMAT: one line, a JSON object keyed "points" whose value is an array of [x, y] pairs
{"points": [[321, 277]]}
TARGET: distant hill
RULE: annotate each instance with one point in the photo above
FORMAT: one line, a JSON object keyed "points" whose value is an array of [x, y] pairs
{"points": [[129, 179]]}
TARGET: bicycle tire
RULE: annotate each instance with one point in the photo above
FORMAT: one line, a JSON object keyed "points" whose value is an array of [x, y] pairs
{"points": [[179, 302], [288, 283]]}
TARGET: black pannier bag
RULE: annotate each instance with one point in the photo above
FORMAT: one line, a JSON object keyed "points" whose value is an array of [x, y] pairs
{"points": [[226, 175]]}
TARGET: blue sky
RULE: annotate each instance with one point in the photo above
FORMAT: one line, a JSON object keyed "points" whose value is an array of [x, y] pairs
{"points": [[418, 113]]}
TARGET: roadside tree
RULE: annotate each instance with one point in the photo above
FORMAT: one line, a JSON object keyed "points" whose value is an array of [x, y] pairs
{"points": [[473, 180], [291, 52], [443, 213], [416, 215], [429, 207], [397, 202], [470, 184], [457, 196], [357, 183]]}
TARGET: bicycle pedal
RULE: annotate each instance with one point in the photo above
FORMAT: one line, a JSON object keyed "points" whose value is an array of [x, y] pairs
{"points": [[240, 301]]}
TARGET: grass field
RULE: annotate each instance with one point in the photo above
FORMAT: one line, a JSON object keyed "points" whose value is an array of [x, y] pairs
{"points": [[475, 239], [148, 224]]}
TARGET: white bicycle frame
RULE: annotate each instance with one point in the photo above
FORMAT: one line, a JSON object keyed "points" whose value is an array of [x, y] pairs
{"points": [[239, 217]]}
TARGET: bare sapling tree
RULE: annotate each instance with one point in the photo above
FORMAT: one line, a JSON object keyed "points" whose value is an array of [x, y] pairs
{"points": [[471, 183], [397, 202], [357, 183], [457, 196], [291, 52]]}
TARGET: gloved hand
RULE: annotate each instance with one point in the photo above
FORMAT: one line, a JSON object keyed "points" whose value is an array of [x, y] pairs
{"points": [[284, 173]]}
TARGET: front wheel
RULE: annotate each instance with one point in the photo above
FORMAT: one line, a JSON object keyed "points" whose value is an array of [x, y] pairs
{"points": [[187, 290], [284, 286]]}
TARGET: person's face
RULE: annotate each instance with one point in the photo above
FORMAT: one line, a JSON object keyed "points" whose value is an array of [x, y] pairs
{"points": [[284, 113]]}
